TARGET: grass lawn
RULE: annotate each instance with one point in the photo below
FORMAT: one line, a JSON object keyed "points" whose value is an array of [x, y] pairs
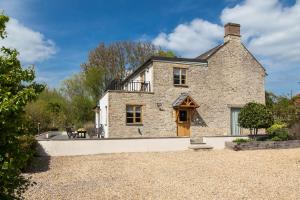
{"points": [[223, 174]]}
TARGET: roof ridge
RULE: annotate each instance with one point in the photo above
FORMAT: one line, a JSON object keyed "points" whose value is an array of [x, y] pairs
{"points": [[211, 51]]}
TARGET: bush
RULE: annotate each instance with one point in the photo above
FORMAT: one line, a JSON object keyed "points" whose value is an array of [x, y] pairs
{"points": [[278, 132], [276, 138], [275, 127], [17, 154], [255, 116], [27, 145], [282, 134], [241, 140]]}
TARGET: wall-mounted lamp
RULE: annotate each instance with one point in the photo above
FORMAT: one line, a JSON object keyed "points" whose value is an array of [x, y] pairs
{"points": [[160, 106]]}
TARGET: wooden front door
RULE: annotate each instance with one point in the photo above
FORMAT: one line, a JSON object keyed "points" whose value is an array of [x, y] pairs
{"points": [[183, 122]]}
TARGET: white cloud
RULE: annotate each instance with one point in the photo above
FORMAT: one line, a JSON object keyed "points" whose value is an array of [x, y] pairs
{"points": [[268, 28], [190, 39], [32, 45]]}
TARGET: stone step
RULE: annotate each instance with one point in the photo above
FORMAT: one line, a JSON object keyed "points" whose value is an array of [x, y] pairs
{"points": [[196, 140], [202, 146]]}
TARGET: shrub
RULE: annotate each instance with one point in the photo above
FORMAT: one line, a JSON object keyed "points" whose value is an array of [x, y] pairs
{"points": [[275, 127], [241, 140], [282, 134], [276, 138], [15, 157], [255, 116], [27, 146], [278, 132], [17, 88]]}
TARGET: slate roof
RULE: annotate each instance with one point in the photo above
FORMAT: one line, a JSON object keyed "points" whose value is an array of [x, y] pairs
{"points": [[180, 99], [201, 59], [210, 52], [161, 58]]}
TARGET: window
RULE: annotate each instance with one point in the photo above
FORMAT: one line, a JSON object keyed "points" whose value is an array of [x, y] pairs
{"points": [[179, 76], [183, 116], [106, 115], [133, 114]]}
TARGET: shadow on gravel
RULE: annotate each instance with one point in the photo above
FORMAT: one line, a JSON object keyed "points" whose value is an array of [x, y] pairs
{"points": [[39, 164]]}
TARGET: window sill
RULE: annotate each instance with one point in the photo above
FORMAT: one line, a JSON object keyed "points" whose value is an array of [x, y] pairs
{"points": [[179, 85], [134, 124]]}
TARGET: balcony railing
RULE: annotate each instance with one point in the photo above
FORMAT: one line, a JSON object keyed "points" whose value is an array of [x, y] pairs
{"points": [[134, 86]]}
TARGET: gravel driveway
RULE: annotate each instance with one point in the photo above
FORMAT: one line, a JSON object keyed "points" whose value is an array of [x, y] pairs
{"points": [[223, 174]]}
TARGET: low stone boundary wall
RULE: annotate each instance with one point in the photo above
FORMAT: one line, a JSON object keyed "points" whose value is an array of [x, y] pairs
{"points": [[255, 145], [88, 147], [218, 142]]}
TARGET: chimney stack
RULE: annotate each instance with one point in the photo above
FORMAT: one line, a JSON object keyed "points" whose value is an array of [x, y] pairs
{"points": [[232, 32]]}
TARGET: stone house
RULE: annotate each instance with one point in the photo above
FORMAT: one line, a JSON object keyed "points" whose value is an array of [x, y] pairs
{"points": [[191, 97]]}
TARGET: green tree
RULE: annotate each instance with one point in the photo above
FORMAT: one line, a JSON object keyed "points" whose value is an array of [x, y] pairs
{"points": [[284, 109], [255, 116], [17, 88], [117, 57], [167, 53], [50, 110], [270, 99], [79, 99], [94, 82]]}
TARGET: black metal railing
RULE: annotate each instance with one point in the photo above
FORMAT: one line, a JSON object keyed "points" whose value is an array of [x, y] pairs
{"points": [[139, 86]]}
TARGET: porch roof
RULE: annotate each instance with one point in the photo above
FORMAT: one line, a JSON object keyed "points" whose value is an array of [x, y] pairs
{"points": [[185, 100]]}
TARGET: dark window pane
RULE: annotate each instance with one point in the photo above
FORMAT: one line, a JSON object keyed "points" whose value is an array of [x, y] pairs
{"points": [[138, 120], [129, 114], [129, 120], [176, 76], [176, 81], [137, 114], [183, 115], [183, 81]]}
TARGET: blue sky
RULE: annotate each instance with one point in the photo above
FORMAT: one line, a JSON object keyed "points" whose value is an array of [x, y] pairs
{"points": [[57, 35]]}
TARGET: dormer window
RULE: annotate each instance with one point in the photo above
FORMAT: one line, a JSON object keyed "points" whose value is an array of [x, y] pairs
{"points": [[179, 76]]}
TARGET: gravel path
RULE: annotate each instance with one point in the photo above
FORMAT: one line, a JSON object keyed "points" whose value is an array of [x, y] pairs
{"points": [[263, 174]]}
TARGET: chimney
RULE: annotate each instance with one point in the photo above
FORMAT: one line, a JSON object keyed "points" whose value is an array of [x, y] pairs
{"points": [[232, 32]]}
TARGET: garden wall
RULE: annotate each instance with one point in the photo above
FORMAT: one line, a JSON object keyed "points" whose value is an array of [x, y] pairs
{"points": [[88, 147], [255, 145]]}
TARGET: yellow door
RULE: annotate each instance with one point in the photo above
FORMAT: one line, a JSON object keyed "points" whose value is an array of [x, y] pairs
{"points": [[183, 122]]}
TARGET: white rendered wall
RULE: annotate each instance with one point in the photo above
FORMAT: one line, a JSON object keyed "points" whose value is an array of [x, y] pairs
{"points": [[89, 147], [148, 76], [103, 103], [97, 119]]}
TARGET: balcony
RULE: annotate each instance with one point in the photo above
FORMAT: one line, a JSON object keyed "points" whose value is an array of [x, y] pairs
{"points": [[133, 86]]}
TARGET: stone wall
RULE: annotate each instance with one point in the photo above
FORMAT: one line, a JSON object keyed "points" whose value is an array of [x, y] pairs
{"points": [[255, 145], [156, 122], [232, 78]]}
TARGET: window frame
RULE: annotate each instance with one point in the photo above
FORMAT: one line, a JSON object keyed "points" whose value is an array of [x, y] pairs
{"points": [[134, 106], [180, 76]]}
